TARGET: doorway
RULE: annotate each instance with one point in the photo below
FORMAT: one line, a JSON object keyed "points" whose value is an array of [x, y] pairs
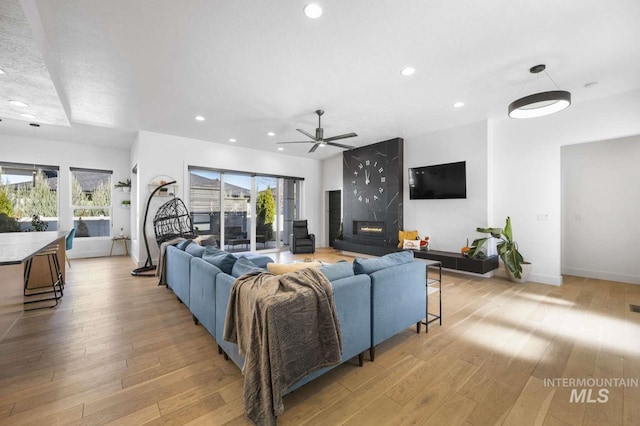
{"points": [[335, 215]]}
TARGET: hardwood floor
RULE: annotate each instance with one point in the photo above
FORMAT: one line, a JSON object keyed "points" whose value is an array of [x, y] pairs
{"points": [[122, 350]]}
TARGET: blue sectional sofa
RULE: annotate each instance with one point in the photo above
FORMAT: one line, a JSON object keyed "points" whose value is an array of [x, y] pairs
{"points": [[375, 298]]}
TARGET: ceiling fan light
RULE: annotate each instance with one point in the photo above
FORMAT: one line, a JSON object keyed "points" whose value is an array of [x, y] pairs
{"points": [[313, 11], [408, 71], [540, 104]]}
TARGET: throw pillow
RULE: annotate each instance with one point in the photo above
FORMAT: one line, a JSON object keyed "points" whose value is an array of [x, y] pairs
{"points": [[335, 271], [206, 240], [183, 244], [367, 266], [211, 250], [279, 268], [244, 266], [406, 235], [411, 245], [194, 250], [224, 261]]}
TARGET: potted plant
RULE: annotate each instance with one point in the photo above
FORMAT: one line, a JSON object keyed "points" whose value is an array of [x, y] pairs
{"points": [[507, 250], [124, 185], [126, 203]]}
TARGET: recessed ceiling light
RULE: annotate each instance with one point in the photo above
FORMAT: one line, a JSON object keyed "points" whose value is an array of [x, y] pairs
{"points": [[313, 10], [458, 105], [2, 72], [408, 71], [280, 149], [271, 134], [18, 104], [232, 140], [29, 116], [199, 118]]}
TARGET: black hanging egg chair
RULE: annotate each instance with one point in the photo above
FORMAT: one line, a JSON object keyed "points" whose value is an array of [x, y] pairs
{"points": [[172, 220]]}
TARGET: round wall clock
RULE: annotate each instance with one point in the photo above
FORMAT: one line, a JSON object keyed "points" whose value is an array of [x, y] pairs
{"points": [[368, 182]]}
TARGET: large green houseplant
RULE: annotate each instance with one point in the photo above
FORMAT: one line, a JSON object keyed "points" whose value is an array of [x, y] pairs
{"points": [[507, 248]]}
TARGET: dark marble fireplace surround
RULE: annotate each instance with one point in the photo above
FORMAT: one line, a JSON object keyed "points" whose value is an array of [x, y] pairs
{"points": [[372, 198]]}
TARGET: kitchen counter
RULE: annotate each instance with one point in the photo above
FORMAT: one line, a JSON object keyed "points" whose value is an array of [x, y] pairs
{"points": [[15, 249]]}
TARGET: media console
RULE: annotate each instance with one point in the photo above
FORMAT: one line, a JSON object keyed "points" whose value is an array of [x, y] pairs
{"points": [[449, 260], [458, 261]]}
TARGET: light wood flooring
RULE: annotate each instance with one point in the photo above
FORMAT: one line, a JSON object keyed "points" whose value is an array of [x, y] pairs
{"points": [[122, 350]]}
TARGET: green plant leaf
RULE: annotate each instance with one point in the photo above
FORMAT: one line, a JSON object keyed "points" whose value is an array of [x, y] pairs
{"points": [[512, 263], [508, 234], [476, 246]]}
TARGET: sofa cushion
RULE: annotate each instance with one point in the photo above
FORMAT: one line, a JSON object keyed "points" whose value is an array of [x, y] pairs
{"points": [[183, 244], [367, 266], [338, 270], [194, 250], [244, 266], [283, 268], [224, 261], [406, 235]]}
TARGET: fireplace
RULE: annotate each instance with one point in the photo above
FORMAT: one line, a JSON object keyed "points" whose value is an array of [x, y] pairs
{"points": [[367, 228]]}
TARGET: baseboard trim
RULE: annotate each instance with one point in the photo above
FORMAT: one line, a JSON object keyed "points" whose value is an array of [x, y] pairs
{"points": [[601, 275]]}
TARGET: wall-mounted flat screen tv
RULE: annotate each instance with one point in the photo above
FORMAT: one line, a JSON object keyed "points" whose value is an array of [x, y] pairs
{"points": [[440, 181]]}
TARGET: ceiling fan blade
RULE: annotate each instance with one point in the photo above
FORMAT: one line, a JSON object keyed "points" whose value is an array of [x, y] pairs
{"points": [[335, 138], [297, 142], [314, 147], [307, 134], [339, 145]]}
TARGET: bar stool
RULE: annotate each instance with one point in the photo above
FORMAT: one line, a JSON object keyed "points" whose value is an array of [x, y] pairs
{"points": [[57, 283]]}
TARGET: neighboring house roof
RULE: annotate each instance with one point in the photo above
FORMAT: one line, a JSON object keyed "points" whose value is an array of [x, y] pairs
{"points": [[88, 180]]}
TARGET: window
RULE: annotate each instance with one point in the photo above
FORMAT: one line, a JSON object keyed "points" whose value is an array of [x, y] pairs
{"points": [[28, 190], [91, 202]]}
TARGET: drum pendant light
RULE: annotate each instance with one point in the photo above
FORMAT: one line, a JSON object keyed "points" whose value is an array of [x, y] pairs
{"points": [[540, 104]]}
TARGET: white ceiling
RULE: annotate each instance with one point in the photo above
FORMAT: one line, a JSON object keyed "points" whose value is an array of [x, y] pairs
{"points": [[96, 71]]}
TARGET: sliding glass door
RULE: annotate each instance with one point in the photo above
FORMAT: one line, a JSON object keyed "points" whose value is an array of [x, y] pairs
{"points": [[243, 211], [205, 202], [237, 212], [266, 209]]}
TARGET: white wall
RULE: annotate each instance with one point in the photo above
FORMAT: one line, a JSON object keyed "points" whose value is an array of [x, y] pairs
{"points": [[166, 155], [600, 209], [449, 223], [65, 155], [526, 171]]}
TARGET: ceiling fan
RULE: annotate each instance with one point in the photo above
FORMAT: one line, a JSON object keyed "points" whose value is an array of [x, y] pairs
{"points": [[320, 140]]}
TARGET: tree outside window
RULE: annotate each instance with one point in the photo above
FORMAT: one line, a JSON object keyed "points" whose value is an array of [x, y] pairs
{"points": [[91, 202], [27, 191]]}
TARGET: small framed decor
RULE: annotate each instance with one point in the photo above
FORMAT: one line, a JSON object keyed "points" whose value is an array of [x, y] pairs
{"points": [[411, 245]]}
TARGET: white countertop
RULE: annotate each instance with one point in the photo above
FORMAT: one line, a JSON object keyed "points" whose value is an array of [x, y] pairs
{"points": [[16, 247]]}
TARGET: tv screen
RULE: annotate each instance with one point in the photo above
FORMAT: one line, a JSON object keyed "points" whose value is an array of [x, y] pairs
{"points": [[439, 181]]}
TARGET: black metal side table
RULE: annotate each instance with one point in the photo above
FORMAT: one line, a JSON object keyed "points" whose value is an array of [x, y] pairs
{"points": [[433, 285]]}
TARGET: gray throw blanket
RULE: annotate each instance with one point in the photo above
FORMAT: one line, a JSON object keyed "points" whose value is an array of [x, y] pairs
{"points": [[285, 326]]}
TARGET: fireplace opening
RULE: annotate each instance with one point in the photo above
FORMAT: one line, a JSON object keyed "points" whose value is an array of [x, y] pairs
{"points": [[366, 228]]}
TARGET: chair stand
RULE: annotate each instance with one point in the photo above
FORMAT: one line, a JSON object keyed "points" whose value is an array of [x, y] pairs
{"points": [[57, 284]]}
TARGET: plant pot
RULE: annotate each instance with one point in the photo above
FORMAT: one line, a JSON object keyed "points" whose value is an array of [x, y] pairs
{"points": [[126, 189], [526, 271]]}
